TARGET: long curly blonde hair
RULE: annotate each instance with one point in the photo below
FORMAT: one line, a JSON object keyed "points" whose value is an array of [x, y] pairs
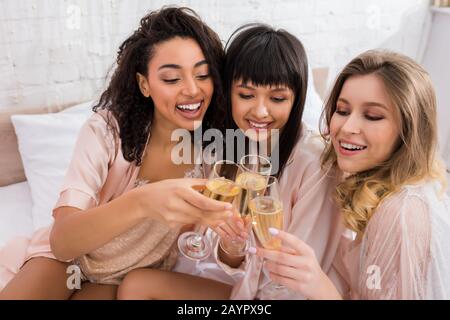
{"points": [[415, 159]]}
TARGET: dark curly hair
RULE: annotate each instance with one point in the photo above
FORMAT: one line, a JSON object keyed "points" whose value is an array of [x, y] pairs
{"points": [[123, 98]]}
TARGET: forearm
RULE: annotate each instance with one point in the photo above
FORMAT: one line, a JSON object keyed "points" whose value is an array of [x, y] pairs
{"points": [[82, 232]]}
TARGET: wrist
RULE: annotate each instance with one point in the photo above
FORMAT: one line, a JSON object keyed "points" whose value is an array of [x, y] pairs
{"points": [[327, 290], [135, 198]]}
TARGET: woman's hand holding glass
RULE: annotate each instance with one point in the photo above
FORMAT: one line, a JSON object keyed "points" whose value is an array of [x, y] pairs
{"points": [[234, 228], [220, 187], [233, 240], [266, 209], [178, 201], [252, 179], [294, 265], [291, 263]]}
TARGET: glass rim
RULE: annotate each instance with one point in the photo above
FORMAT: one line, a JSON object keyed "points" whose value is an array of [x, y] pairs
{"points": [[224, 161], [265, 172], [272, 180]]}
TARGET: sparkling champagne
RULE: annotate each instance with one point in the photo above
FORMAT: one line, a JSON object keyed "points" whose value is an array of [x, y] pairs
{"points": [[267, 213], [221, 189], [252, 185]]}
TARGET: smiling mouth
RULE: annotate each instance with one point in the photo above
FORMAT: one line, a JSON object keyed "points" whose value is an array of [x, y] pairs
{"points": [[259, 125], [351, 147], [189, 108]]}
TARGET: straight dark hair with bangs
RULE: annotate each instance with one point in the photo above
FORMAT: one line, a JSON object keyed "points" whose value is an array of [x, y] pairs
{"points": [[259, 54]]}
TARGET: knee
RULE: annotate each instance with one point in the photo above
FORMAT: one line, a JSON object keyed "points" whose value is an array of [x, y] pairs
{"points": [[131, 287]]}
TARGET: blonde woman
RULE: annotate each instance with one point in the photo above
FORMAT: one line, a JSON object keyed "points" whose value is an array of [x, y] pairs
{"points": [[381, 120]]}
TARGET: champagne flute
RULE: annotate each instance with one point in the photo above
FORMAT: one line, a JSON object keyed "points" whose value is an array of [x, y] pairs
{"points": [[252, 179], [266, 209], [221, 186], [256, 163]]}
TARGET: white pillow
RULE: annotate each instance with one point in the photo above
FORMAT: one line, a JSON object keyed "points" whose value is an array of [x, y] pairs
{"points": [[46, 143], [82, 108], [15, 211]]}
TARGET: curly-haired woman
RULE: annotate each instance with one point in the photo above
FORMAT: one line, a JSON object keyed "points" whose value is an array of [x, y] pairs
{"points": [[167, 77]]}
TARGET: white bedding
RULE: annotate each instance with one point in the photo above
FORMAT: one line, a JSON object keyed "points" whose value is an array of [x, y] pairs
{"points": [[15, 211]]}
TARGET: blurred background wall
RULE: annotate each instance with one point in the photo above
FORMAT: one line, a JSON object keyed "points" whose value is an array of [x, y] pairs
{"points": [[58, 52]]}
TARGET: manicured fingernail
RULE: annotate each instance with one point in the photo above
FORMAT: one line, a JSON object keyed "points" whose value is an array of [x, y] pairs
{"points": [[228, 206], [274, 231], [244, 235], [252, 250]]}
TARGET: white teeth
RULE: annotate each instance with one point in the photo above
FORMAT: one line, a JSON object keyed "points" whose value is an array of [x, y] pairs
{"points": [[189, 106], [351, 146], [258, 125]]}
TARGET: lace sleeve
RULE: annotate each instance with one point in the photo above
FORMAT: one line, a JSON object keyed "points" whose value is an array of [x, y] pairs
{"points": [[396, 250]]}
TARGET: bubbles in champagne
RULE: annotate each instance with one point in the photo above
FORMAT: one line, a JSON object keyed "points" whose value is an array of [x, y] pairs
{"points": [[266, 213], [251, 180], [221, 189]]}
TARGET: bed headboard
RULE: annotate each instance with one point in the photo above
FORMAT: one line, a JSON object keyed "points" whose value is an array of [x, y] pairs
{"points": [[11, 168]]}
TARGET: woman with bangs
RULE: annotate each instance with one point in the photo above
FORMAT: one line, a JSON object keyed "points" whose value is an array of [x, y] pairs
{"points": [[265, 83], [382, 140]]}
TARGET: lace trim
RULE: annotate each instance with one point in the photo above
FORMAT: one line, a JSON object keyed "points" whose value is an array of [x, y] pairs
{"points": [[140, 182], [196, 172]]}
